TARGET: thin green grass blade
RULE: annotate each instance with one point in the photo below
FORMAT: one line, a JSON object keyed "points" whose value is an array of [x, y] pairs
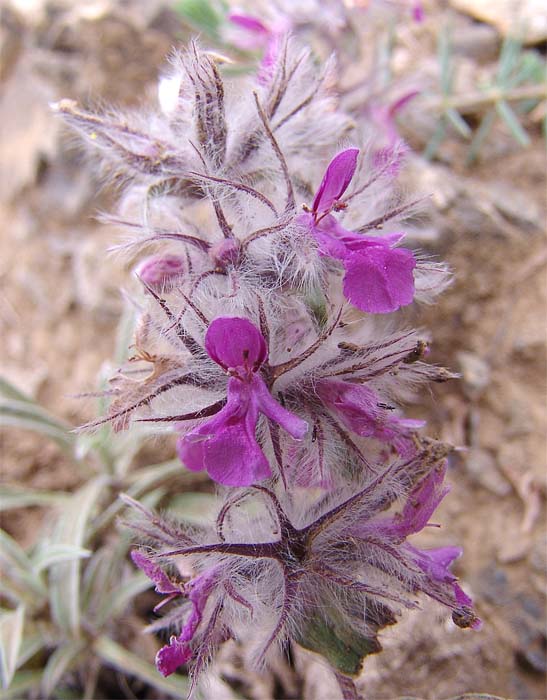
{"points": [[513, 124], [11, 634], [444, 53], [459, 123], [481, 134], [508, 61], [435, 141]]}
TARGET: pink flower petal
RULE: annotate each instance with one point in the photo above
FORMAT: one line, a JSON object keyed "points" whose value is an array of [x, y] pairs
{"points": [[336, 180], [161, 271], [295, 426], [248, 22], [178, 651], [170, 657], [235, 342], [226, 444], [357, 406], [379, 279]]}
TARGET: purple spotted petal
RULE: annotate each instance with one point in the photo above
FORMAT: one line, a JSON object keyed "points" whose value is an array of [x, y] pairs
{"points": [[226, 445], [336, 180], [379, 279], [235, 342], [154, 573]]}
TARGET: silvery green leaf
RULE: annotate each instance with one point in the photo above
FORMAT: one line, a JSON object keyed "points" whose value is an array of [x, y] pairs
{"points": [[28, 415], [11, 634], [65, 576], [120, 597], [143, 480], [34, 640], [21, 497], [435, 141], [59, 664], [56, 553], [10, 391], [23, 682], [114, 655], [18, 567], [480, 135]]}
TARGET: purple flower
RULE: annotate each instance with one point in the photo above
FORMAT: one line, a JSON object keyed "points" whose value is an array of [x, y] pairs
{"points": [[257, 35], [359, 409], [226, 445], [435, 563], [197, 590], [385, 115], [379, 278], [342, 561]]}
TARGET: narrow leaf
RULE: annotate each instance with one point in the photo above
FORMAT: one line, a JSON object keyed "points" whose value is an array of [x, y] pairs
{"points": [[11, 634], [122, 596], [480, 136], [510, 118], [200, 15], [65, 576], [56, 553], [459, 123], [18, 566], [22, 497], [23, 682], [116, 656], [59, 664], [10, 391], [30, 416]]}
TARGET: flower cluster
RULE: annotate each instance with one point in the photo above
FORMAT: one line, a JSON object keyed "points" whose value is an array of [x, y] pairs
{"points": [[263, 317]]}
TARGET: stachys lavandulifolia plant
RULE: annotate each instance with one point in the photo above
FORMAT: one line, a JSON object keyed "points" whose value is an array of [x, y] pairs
{"points": [[272, 259]]}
